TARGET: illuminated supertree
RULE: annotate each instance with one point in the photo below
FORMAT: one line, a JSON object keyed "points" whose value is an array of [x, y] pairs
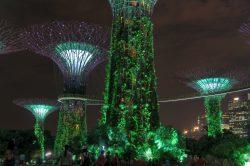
{"points": [[40, 108], [130, 100], [10, 39], [76, 47], [211, 83]]}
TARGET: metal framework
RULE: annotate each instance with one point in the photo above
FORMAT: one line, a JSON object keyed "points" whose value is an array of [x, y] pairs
{"points": [[131, 8], [76, 47], [10, 38], [40, 108], [212, 85]]}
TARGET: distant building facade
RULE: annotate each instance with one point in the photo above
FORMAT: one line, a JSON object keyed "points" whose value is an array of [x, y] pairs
{"points": [[236, 119], [202, 123], [239, 115], [225, 121]]}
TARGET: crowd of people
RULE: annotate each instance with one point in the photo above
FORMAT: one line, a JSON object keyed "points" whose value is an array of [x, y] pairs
{"points": [[11, 157], [86, 159], [195, 161]]}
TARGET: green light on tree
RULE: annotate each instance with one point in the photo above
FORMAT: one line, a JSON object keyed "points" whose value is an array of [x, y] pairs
{"points": [[40, 111], [212, 104], [130, 100], [213, 85], [40, 108], [76, 55], [71, 126]]}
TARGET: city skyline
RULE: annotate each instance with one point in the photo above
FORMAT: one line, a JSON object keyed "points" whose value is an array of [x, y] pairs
{"points": [[202, 32]]}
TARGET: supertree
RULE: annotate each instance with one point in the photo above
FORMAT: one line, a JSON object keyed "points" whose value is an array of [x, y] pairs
{"points": [[76, 47], [130, 100], [40, 108], [10, 39], [211, 83]]}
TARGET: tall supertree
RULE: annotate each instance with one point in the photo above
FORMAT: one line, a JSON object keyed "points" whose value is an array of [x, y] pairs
{"points": [[10, 39], [76, 47], [130, 100], [40, 108], [211, 83]]}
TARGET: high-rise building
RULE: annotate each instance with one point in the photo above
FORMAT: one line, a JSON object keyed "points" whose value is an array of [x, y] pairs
{"points": [[202, 123], [225, 121], [239, 117]]}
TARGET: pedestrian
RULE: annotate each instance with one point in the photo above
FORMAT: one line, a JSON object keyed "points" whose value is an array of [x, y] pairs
{"points": [[190, 161], [85, 157], [22, 160], [200, 161], [115, 160], [101, 159], [14, 150], [9, 158], [167, 162], [108, 159], [66, 157]]}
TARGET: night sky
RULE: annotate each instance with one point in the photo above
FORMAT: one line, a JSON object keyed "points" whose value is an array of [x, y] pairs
{"points": [[188, 34]]}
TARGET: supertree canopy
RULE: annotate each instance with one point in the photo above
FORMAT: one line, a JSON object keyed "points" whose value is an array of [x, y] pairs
{"points": [[130, 8], [213, 85], [40, 108], [209, 83], [76, 47], [130, 100], [10, 39], [245, 30]]}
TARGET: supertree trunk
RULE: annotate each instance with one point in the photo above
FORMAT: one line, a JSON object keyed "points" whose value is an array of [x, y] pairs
{"points": [[72, 128], [130, 100], [39, 133], [213, 115]]}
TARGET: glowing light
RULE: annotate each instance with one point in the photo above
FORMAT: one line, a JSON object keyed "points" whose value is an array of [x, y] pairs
{"points": [[149, 154], [40, 111], [247, 157], [236, 99], [247, 163], [48, 154], [185, 132], [196, 128], [75, 55], [213, 85]]}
